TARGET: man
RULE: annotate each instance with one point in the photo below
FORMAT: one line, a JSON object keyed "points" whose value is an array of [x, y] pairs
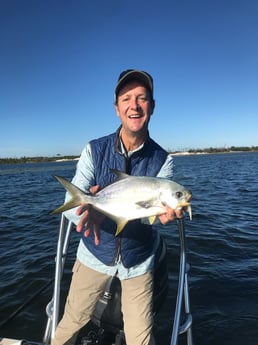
{"points": [[130, 255]]}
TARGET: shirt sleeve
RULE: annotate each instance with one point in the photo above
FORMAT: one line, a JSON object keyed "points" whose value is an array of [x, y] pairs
{"points": [[167, 169], [84, 178]]}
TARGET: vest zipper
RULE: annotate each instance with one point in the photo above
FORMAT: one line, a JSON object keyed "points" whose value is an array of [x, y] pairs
{"points": [[118, 251]]}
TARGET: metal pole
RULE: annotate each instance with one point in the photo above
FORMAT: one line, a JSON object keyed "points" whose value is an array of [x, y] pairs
{"points": [[183, 291], [188, 311], [58, 272], [180, 290], [53, 306]]}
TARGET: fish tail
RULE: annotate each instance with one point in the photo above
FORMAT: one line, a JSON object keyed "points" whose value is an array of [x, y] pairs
{"points": [[78, 196], [67, 206]]}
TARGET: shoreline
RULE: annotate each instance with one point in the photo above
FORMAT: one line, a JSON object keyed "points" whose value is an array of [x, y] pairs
{"points": [[24, 160]]}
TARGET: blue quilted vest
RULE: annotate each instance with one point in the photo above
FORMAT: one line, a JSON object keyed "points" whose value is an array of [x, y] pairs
{"points": [[135, 243]]}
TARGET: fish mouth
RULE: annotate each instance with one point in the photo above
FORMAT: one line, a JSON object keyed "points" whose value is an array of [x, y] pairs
{"points": [[187, 207], [186, 201], [186, 204]]}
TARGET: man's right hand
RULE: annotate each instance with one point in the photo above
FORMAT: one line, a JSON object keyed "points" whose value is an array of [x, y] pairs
{"points": [[90, 218]]}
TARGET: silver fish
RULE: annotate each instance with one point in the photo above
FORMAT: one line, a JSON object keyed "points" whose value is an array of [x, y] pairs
{"points": [[130, 197]]}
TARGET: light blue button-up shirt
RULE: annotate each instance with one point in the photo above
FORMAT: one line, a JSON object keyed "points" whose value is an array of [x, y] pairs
{"points": [[84, 179]]}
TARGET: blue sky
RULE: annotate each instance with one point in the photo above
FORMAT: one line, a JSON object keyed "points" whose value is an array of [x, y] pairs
{"points": [[60, 60]]}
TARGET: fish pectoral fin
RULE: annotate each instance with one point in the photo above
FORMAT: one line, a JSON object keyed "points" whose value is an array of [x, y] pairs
{"points": [[152, 219], [145, 203], [121, 223]]}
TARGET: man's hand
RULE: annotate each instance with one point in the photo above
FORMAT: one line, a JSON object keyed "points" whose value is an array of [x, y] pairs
{"points": [[91, 218], [170, 215]]}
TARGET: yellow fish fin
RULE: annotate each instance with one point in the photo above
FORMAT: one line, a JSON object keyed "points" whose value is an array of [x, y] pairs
{"points": [[74, 202], [152, 219], [120, 225]]}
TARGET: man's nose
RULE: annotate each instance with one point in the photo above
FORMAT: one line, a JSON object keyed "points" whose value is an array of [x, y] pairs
{"points": [[134, 103]]}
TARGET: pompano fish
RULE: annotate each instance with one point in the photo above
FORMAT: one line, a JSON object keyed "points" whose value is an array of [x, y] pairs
{"points": [[130, 197]]}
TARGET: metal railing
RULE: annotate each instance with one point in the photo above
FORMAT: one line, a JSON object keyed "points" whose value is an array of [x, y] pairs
{"points": [[182, 293], [52, 308]]}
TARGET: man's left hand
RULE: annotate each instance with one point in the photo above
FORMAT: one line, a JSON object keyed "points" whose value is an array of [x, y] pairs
{"points": [[170, 215]]}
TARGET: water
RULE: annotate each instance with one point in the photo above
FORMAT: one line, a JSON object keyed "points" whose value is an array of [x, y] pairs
{"points": [[222, 242]]}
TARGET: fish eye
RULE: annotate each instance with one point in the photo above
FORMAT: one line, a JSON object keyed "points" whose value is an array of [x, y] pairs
{"points": [[179, 194]]}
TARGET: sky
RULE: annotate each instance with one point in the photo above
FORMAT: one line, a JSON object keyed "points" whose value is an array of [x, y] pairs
{"points": [[60, 60]]}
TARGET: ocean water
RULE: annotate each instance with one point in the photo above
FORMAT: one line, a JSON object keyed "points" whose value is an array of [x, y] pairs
{"points": [[222, 248]]}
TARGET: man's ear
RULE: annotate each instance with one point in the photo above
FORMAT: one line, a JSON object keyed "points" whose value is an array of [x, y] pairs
{"points": [[117, 111], [152, 106]]}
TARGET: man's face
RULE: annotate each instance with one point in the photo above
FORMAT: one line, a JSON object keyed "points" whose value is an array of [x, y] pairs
{"points": [[134, 106]]}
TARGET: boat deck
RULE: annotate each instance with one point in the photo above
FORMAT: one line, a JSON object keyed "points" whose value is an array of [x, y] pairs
{"points": [[9, 341]]}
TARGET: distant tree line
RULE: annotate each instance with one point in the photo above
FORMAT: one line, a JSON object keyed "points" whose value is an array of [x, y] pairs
{"points": [[42, 159], [226, 149]]}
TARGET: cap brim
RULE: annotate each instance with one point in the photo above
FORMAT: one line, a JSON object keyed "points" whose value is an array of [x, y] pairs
{"points": [[134, 75]]}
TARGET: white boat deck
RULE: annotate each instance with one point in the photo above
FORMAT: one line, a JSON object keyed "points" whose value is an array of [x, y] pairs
{"points": [[9, 341]]}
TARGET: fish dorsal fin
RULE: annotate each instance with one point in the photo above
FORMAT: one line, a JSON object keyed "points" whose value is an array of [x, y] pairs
{"points": [[120, 225], [120, 175]]}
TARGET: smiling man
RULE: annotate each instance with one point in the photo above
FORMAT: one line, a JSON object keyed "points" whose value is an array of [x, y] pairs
{"points": [[134, 106], [130, 256]]}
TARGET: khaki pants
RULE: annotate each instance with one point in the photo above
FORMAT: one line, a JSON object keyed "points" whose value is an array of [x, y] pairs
{"points": [[85, 289]]}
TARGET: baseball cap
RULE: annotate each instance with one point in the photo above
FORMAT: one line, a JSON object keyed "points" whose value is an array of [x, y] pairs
{"points": [[133, 74]]}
